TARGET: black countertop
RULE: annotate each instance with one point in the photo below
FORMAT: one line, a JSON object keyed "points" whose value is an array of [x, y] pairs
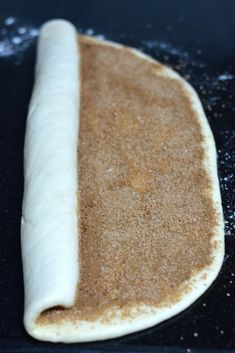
{"points": [[197, 38]]}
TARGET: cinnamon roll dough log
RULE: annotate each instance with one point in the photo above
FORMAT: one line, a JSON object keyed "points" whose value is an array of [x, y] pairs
{"points": [[151, 239]]}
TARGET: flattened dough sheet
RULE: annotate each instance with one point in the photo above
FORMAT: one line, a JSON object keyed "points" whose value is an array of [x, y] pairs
{"points": [[51, 232]]}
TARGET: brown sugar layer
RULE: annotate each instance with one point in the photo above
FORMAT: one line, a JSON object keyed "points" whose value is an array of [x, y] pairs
{"points": [[146, 213]]}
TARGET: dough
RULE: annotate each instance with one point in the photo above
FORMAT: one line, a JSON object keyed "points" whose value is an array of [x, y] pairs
{"points": [[51, 230]]}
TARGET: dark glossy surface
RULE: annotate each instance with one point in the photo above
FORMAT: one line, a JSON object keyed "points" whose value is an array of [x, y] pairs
{"points": [[197, 38]]}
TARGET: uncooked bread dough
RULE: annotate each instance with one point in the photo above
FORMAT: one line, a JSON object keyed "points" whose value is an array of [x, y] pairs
{"points": [[51, 233]]}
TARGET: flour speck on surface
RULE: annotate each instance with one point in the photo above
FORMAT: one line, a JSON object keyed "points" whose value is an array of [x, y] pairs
{"points": [[90, 32], [225, 76], [9, 21], [15, 37], [166, 47], [22, 30]]}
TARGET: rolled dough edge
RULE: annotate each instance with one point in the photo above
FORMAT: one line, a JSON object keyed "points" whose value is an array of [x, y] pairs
{"points": [[49, 229]]}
